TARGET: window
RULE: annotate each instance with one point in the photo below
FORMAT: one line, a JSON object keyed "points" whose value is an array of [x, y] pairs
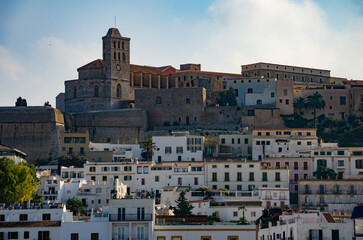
{"points": [[158, 100], [264, 176], [253, 214], [187, 101], [250, 90], [94, 236], [321, 189], [46, 216], [12, 235], [43, 235], [176, 238], [235, 214], [251, 113], [95, 91], [226, 177], [277, 177], [340, 163], [180, 181], [179, 149], [298, 143], [118, 91], [232, 238], [239, 187], [321, 163], [287, 101], [239, 176], [272, 95], [74, 236], [157, 178], [232, 140], [296, 165], [128, 168], [26, 235], [342, 100], [246, 140], [2, 218], [223, 141], [359, 163], [139, 170], [142, 181], [127, 178], [93, 178], [308, 143], [214, 166], [205, 238], [160, 238], [252, 177], [226, 166], [70, 150], [196, 181], [259, 102], [340, 153], [305, 165], [146, 169], [104, 178], [214, 177], [23, 217], [296, 177], [285, 92], [168, 150]]}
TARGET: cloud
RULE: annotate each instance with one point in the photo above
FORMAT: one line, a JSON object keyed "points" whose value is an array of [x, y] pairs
{"points": [[279, 31], [39, 74]]}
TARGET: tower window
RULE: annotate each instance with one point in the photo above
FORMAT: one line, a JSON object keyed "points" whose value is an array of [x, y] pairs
{"points": [[119, 56], [75, 92], [114, 55], [118, 93], [123, 45], [118, 44], [124, 56], [114, 44], [96, 91]]}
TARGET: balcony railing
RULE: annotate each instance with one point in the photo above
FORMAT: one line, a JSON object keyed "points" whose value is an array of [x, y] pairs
{"points": [[307, 192], [337, 192], [353, 192], [131, 217]]}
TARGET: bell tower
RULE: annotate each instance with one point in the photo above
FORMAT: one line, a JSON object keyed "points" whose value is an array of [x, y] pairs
{"points": [[116, 63]]}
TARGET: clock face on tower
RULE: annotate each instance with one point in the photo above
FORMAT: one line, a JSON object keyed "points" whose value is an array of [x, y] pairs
{"points": [[118, 67]]}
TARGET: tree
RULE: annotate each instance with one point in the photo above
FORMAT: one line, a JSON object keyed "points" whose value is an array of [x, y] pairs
{"points": [[300, 103], [227, 97], [76, 206], [315, 101], [183, 207], [214, 218], [20, 102], [47, 104], [243, 209], [17, 182], [148, 148], [325, 173], [211, 144], [71, 160]]}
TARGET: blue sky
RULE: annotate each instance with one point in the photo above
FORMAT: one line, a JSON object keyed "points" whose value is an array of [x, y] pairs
{"points": [[42, 43]]}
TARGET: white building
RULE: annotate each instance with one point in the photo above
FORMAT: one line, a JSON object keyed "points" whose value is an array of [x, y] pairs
{"points": [[243, 175], [12, 153], [177, 148], [283, 142], [308, 226], [235, 145], [119, 150], [253, 90], [344, 161], [274, 197]]}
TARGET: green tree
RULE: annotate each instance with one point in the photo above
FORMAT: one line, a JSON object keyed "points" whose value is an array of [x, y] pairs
{"points": [[227, 97], [299, 103], [325, 173], [183, 207], [21, 102], [243, 209], [76, 206], [17, 182], [148, 148], [315, 101], [214, 218]]}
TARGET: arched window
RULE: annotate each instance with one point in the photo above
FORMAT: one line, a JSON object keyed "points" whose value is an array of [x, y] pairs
{"points": [[119, 56], [95, 93], [114, 55], [124, 56], [118, 91], [118, 44], [336, 189], [123, 45], [75, 92], [114, 44]]}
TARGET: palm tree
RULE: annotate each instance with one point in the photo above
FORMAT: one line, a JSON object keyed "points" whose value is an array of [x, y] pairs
{"points": [[76, 206], [148, 148], [315, 101], [299, 103], [243, 208]]}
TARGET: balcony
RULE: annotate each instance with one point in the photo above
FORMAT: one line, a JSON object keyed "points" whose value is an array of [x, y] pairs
{"points": [[337, 192], [307, 192], [352, 192], [321, 192], [130, 217]]}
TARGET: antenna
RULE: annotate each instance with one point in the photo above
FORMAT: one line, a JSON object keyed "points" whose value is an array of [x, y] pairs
{"points": [[115, 21]]}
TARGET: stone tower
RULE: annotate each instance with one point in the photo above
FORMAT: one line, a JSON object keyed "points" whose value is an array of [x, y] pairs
{"points": [[102, 84], [116, 63]]}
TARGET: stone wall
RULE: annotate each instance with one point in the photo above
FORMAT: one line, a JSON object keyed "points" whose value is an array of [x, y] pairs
{"points": [[183, 106], [122, 125], [33, 130]]}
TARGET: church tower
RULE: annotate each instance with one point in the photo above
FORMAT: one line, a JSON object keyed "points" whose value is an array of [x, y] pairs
{"points": [[116, 64]]}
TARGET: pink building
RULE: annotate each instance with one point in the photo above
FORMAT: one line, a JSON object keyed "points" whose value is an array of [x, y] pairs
{"points": [[300, 168]]}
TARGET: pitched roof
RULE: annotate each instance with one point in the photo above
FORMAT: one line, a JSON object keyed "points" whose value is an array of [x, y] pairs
{"points": [[207, 72], [357, 212], [96, 64], [329, 217], [113, 32], [146, 69], [6, 148]]}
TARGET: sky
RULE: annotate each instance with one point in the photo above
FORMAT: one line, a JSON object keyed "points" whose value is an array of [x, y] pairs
{"points": [[42, 43]]}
